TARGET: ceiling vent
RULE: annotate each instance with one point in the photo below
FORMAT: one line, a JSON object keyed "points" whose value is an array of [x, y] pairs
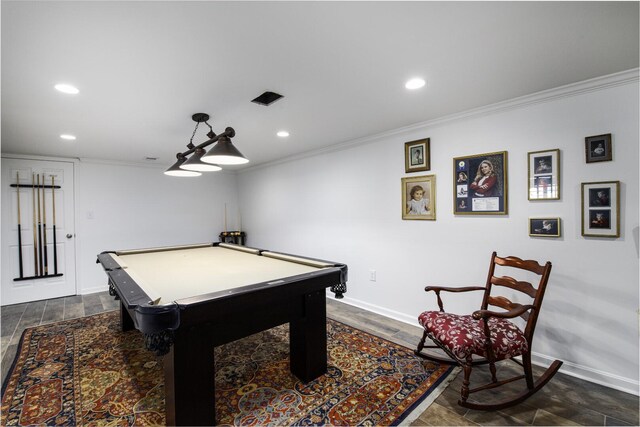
{"points": [[267, 98]]}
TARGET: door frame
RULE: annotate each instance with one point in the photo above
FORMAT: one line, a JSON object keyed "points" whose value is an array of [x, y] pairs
{"points": [[76, 163]]}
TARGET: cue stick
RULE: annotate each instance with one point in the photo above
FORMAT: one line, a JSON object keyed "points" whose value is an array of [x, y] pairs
{"points": [[44, 227], [55, 250], [39, 230], [35, 236], [19, 226]]}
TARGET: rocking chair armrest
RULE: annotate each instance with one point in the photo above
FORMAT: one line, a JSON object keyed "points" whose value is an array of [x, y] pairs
{"points": [[485, 314], [437, 290], [449, 289]]}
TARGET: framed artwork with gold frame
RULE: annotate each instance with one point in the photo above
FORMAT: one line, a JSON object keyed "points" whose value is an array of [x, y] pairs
{"points": [[544, 175], [419, 197], [480, 184], [417, 155], [544, 227], [601, 209]]}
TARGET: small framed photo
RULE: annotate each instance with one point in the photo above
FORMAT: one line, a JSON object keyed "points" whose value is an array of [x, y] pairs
{"points": [[544, 175], [417, 156], [480, 184], [601, 209], [419, 197], [598, 148], [544, 227]]}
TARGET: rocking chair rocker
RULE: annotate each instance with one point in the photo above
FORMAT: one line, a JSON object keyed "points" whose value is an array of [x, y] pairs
{"points": [[488, 335]]}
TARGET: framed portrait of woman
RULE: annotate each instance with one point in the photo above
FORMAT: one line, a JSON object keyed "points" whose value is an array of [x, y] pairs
{"points": [[480, 184]]}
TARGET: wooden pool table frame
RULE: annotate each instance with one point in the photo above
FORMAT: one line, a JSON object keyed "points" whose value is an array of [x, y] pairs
{"points": [[189, 329]]}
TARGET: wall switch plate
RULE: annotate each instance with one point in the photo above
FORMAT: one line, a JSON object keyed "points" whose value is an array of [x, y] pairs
{"points": [[372, 275]]}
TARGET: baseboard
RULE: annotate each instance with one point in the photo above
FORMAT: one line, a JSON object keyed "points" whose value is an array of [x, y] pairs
{"points": [[95, 289], [596, 376]]}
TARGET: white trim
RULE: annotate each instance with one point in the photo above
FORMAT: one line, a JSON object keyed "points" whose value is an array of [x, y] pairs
{"points": [[94, 290], [573, 89], [597, 376], [627, 385], [90, 160], [73, 160]]}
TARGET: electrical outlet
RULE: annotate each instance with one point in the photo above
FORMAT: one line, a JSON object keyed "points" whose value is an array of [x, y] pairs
{"points": [[372, 275]]}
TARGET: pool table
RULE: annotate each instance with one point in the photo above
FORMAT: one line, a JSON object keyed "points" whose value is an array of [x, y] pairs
{"points": [[188, 299]]}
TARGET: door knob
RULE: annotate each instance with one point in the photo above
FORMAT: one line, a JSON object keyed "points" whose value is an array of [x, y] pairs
{"points": [[69, 236]]}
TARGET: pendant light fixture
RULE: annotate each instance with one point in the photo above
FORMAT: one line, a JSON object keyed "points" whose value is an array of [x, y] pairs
{"points": [[224, 153], [194, 165], [176, 171]]}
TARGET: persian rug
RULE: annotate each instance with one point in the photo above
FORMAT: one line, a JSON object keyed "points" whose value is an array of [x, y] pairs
{"points": [[87, 372]]}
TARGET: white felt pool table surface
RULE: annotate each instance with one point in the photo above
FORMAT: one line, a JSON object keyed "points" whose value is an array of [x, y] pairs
{"points": [[168, 275]]}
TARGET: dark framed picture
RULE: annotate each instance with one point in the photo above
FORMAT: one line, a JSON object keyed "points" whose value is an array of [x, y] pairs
{"points": [[598, 148], [544, 227], [480, 184], [419, 197], [417, 155], [544, 175], [601, 209]]}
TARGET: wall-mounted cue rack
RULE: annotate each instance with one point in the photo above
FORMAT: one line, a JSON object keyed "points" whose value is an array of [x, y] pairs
{"points": [[40, 247]]}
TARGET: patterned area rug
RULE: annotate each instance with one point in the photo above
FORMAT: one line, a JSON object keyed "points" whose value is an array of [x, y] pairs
{"points": [[87, 372]]}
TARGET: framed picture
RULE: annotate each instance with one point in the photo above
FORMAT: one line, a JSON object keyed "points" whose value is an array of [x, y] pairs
{"points": [[419, 197], [544, 175], [417, 156], [598, 148], [601, 209], [480, 184], [544, 227]]}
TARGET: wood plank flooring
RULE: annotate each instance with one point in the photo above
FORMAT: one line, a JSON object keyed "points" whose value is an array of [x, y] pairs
{"points": [[564, 401]]}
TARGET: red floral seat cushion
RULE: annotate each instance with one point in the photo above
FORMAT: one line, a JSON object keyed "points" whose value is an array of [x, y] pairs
{"points": [[464, 336]]}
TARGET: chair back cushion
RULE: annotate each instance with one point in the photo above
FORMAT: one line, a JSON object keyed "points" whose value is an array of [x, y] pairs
{"points": [[464, 336]]}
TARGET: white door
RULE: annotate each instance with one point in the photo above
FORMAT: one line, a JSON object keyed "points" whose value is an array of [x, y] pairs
{"points": [[46, 273]]}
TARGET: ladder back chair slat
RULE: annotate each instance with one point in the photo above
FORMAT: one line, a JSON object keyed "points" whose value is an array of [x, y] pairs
{"points": [[510, 282]]}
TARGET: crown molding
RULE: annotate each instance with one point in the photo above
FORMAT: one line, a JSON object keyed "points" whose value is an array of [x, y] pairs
{"points": [[573, 89]]}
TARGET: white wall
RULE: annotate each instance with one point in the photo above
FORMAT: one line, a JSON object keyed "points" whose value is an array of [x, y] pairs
{"points": [[137, 207], [345, 205]]}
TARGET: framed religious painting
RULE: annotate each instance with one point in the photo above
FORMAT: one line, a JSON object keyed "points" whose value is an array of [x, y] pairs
{"points": [[601, 209], [417, 156], [480, 184], [598, 148], [544, 175], [419, 197], [544, 227]]}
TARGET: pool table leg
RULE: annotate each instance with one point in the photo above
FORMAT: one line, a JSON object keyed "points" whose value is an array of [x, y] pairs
{"points": [[126, 322], [308, 338], [189, 379]]}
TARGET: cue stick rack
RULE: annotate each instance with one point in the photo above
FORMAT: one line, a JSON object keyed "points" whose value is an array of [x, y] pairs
{"points": [[40, 245]]}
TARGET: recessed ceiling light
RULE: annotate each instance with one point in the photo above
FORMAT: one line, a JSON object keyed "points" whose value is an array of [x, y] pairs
{"points": [[416, 83], [283, 134], [68, 137], [65, 88]]}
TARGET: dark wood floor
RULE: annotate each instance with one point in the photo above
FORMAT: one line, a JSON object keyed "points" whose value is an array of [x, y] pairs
{"points": [[564, 401]]}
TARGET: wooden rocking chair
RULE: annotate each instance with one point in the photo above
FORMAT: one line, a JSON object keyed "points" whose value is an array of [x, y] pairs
{"points": [[489, 335]]}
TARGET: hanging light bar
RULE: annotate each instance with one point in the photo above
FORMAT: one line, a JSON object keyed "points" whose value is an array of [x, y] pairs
{"points": [[194, 165]]}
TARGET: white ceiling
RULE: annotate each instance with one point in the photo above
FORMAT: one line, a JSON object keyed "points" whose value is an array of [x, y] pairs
{"points": [[143, 68]]}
